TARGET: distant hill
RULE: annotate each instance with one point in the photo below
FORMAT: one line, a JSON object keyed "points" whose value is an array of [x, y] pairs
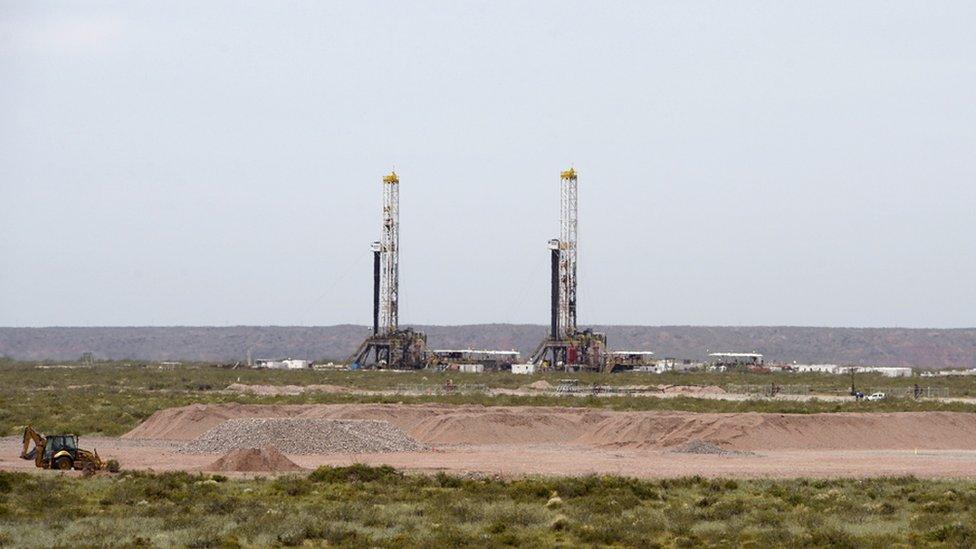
{"points": [[921, 348]]}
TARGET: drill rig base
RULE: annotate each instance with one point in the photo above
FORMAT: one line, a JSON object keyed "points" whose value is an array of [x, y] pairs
{"points": [[399, 350], [583, 351]]}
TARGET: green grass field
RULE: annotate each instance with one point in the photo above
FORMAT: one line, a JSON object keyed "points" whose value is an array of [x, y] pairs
{"points": [[361, 506], [112, 398]]}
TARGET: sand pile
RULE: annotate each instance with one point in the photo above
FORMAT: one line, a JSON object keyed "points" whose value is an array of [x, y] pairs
{"points": [[264, 460], [304, 436], [501, 426], [189, 422], [541, 385], [446, 424]]}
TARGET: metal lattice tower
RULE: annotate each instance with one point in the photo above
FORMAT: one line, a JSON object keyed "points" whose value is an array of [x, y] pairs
{"points": [[390, 255], [568, 250]]}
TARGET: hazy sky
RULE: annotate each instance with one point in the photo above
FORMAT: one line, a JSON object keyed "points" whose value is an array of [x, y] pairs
{"points": [[804, 163]]}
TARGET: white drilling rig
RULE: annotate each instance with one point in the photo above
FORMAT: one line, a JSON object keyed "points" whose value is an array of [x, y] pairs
{"points": [[568, 250], [389, 248], [566, 346], [389, 346]]}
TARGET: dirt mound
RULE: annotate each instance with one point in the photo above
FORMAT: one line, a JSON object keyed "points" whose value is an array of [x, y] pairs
{"points": [[304, 436], [541, 385], [446, 424], [189, 422], [758, 431], [265, 460], [491, 426]]}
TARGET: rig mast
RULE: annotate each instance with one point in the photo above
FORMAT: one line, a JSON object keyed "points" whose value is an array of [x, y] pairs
{"points": [[566, 346], [389, 248], [389, 346], [568, 250]]}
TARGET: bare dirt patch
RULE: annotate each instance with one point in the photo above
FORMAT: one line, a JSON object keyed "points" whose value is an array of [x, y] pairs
{"points": [[263, 460], [515, 441], [446, 424]]}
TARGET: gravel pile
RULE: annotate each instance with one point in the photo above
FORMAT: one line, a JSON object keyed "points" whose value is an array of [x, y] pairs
{"points": [[304, 436], [702, 447]]}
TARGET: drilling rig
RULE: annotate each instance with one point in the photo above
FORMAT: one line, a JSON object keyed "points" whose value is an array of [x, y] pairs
{"points": [[390, 346], [567, 347]]}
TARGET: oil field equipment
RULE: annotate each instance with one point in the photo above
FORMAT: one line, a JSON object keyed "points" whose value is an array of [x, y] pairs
{"points": [[389, 346], [566, 346]]}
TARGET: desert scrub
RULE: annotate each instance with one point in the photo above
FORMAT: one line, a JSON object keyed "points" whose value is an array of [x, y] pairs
{"points": [[380, 506], [112, 398]]}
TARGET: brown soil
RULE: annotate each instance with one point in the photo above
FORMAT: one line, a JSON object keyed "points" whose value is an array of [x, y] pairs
{"points": [[264, 460], [479, 425], [516, 441]]}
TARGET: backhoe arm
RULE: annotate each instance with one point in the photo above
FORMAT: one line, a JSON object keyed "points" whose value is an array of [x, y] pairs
{"points": [[37, 454]]}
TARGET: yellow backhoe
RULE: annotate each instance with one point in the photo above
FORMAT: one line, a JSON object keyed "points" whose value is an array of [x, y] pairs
{"points": [[58, 452]]}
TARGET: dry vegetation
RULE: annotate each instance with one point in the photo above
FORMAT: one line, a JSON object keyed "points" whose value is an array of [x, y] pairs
{"points": [[379, 506], [363, 506], [112, 398]]}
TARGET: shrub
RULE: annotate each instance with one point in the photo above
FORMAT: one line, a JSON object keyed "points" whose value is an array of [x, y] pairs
{"points": [[445, 480], [957, 534], [355, 473], [292, 485], [6, 481], [559, 522], [113, 466]]}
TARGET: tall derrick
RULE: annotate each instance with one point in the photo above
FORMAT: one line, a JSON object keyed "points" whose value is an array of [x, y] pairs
{"points": [[566, 346], [389, 346], [568, 250], [389, 247]]}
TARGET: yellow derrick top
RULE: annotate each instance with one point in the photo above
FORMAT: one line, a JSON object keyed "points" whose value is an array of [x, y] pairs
{"points": [[392, 178], [568, 174]]}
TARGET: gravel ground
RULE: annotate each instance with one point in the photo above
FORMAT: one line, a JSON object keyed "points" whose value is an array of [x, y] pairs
{"points": [[707, 448], [304, 436]]}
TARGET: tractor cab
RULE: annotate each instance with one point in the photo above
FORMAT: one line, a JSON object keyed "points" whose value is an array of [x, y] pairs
{"points": [[58, 443]]}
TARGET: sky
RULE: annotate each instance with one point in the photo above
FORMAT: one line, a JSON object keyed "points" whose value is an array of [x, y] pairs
{"points": [[740, 163]]}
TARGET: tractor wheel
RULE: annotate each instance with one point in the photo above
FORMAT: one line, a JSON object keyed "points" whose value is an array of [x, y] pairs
{"points": [[64, 463]]}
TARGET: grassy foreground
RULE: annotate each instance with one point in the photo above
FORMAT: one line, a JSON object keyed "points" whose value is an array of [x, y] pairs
{"points": [[366, 506], [112, 398]]}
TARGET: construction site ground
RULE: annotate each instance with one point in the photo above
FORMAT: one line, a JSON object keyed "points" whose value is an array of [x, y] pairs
{"points": [[536, 440], [712, 392]]}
